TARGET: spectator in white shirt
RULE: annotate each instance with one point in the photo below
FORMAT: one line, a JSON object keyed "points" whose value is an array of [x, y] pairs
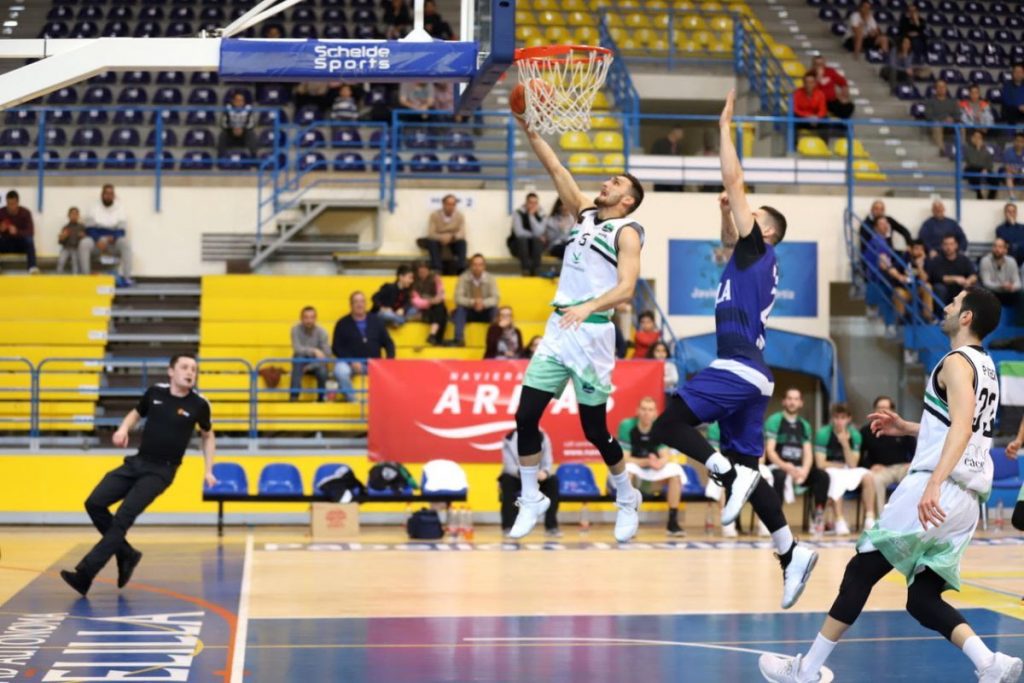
{"points": [[106, 228], [865, 34]]}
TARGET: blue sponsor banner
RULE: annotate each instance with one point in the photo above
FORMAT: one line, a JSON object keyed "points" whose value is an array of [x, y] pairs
{"points": [[695, 266], [379, 61]]}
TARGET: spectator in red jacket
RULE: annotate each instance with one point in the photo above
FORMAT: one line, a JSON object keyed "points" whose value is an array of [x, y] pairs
{"points": [[809, 105], [834, 87], [17, 231], [646, 336]]}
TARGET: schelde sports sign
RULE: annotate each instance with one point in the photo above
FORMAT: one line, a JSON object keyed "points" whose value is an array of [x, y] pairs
{"points": [[376, 60], [421, 410]]}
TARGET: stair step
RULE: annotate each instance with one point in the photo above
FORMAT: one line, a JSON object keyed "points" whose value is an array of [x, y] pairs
{"points": [[152, 338], [190, 314], [158, 290]]}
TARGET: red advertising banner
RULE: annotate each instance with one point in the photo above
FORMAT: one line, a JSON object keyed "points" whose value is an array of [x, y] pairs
{"points": [[460, 410]]}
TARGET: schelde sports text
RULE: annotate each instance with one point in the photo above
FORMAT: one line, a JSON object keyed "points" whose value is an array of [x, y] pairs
{"points": [[333, 58]]}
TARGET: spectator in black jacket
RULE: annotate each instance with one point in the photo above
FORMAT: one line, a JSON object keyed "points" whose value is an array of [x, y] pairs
{"points": [[868, 227], [887, 457], [359, 335], [434, 24], [393, 302], [238, 127]]}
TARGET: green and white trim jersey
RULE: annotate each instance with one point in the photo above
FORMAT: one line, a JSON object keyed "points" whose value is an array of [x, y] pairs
{"points": [[974, 469], [591, 261]]}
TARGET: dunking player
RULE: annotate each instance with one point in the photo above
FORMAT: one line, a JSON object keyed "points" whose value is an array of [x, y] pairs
{"points": [[735, 389], [599, 271], [931, 517], [172, 412]]}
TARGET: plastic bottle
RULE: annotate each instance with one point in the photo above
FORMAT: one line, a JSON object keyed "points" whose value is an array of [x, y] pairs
{"points": [[454, 522], [999, 517], [709, 522], [467, 524], [584, 519]]}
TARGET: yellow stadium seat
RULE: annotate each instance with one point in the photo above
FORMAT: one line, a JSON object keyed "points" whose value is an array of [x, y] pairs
{"points": [[864, 169], [615, 20], [579, 19], [608, 141], [689, 46], [644, 36], [702, 37], [741, 8], [711, 6], [840, 149], [693, 22], [545, 4], [582, 162], [658, 44], [680, 37], [575, 6], [575, 140], [794, 69], [682, 5], [629, 44], [614, 163], [549, 18], [720, 23], [536, 41], [627, 4], [586, 35], [637, 20], [813, 146], [601, 100], [524, 17], [600, 121], [526, 31], [617, 33], [661, 21], [783, 52], [656, 5], [717, 47], [556, 34]]}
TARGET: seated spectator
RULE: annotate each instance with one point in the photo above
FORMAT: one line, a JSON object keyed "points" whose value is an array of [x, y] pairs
{"points": [[237, 127], [886, 457], [444, 100], [428, 299], [950, 272], [511, 484], [393, 301], [904, 278], [999, 273], [107, 231], [904, 65], [272, 31], [17, 231], [646, 335], [938, 226], [504, 340], [912, 25], [358, 337], [528, 236], [670, 145], [476, 297], [447, 226], [941, 108], [837, 452], [309, 341], [532, 347], [787, 450], [975, 111], [877, 211], [864, 32], [397, 18], [434, 24], [557, 227], [809, 105], [317, 94], [345, 107], [671, 380], [1013, 157], [1012, 231], [418, 95], [650, 464], [834, 87], [71, 236], [881, 267], [979, 166], [1013, 97]]}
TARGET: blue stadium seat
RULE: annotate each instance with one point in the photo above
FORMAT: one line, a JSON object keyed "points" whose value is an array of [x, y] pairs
{"points": [[266, 138], [937, 19], [692, 486], [201, 118], [362, 4], [962, 20], [312, 139], [419, 138], [55, 136], [51, 160], [384, 161], [196, 160], [303, 14], [128, 117], [171, 117], [272, 95], [364, 16], [199, 137], [97, 94], [133, 95], [90, 13], [120, 13], [907, 91], [124, 137], [334, 15], [85, 29], [981, 77], [230, 479], [92, 117], [120, 159], [148, 29], [60, 13], [336, 32], [306, 115], [346, 137], [379, 138], [350, 161], [280, 163], [457, 139], [115, 29], [170, 78], [425, 162], [149, 162], [952, 76], [152, 13], [1006, 478], [181, 14], [963, 92], [312, 161], [169, 138], [137, 78], [19, 117], [54, 29], [14, 137], [280, 478], [463, 162], [87, 137], [168, 96], [10, 160], [212, 14], [179, 28], [265, 117], [994, 95], [303, 31], [576, 480], [366, 32], [82, 160], [105, 78], [236, 160], [999, 8], [1003, 36], [202, 97], [917, 111], [1014, 22]]}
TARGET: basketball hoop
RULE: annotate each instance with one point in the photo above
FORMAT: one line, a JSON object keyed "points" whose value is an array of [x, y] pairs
{"points": [[569, 77]]}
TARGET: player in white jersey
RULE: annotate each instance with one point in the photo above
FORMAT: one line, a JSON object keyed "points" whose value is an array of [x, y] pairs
{"points": [[928, 523], [599, 271]]}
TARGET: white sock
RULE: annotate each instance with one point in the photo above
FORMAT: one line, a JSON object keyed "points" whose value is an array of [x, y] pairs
{"points": [[782, 539], [718, 463], [531, 487], [623, 488], [978, 652], [815, 657]]}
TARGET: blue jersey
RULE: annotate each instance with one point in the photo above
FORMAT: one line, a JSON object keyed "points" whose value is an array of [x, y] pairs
{"points": [[746, 294]]}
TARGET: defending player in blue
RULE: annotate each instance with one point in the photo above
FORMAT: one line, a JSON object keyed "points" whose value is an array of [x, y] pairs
{"points": [[734, 390]]}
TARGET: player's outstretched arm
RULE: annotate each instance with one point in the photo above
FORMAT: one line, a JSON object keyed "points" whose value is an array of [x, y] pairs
{"points": [[568, 191], [628, 272], [732, 173], [729, 234]]}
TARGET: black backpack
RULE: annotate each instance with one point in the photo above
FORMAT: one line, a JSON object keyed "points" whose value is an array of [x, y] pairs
{"points": [[424, 524], [390, 476], [341, 486]]}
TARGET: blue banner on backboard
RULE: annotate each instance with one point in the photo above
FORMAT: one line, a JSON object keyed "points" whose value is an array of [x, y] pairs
{"points": [[365, 60], [696, 265]]}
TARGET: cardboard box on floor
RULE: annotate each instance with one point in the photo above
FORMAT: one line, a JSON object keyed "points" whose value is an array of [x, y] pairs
{"points": [[334, 521]]}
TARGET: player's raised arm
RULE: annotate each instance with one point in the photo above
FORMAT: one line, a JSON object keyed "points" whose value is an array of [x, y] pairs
{"points": [[729, 234], [732, 174], [568, 191]]}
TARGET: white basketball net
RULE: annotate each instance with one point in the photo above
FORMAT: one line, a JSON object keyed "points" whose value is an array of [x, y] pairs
{"points": [[573, 79]]}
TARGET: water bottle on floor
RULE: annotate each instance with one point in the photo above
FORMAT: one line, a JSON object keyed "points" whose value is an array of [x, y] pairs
{"points": [[467, 524], [999, 517], [709, 521], [584, 519]]}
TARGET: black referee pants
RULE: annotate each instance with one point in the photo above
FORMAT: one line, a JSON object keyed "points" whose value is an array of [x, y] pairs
{"points": [[136, 483]]}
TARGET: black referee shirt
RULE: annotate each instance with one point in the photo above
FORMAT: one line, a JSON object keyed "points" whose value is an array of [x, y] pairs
{"points": [[170, 422]]}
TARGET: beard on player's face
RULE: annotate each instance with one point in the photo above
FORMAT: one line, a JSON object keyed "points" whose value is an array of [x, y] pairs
{"points": [[606, 199]]}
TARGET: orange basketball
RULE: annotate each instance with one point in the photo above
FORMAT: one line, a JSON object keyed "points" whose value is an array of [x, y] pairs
{"points": [[517, 100]]}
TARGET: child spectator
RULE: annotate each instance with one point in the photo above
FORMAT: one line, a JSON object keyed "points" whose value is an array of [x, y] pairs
{"points": [[646, 336], [660, 352], [345, 107], [71, 236], [504, 340], [532, 347], [428, 299]]}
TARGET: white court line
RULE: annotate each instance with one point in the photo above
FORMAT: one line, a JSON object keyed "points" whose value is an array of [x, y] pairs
{"points": [[242, 623], [826, 673]]}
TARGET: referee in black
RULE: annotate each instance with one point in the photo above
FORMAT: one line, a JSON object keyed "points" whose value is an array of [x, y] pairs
{"points": [[172, 412]]}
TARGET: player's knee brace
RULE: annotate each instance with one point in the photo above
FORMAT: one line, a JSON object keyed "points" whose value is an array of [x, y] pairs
{"points": [[595, 427], [528, 414]]}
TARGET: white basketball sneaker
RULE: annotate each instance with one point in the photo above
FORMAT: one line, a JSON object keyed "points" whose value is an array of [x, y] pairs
{"points": [[795, 576], [1003, 669], [742, 489], [530, 511], [627, 519], [783, 669]]}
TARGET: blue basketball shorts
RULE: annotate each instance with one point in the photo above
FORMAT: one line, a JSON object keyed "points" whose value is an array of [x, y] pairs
{"points": [[736, 397]]}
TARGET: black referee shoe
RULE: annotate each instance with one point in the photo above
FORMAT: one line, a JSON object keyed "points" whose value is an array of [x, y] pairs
{"points": [[126, 566], [79, 582]]}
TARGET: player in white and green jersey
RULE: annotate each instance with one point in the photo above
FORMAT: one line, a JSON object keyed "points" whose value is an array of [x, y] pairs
{"points": [[931, 517], [599, 271]]}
